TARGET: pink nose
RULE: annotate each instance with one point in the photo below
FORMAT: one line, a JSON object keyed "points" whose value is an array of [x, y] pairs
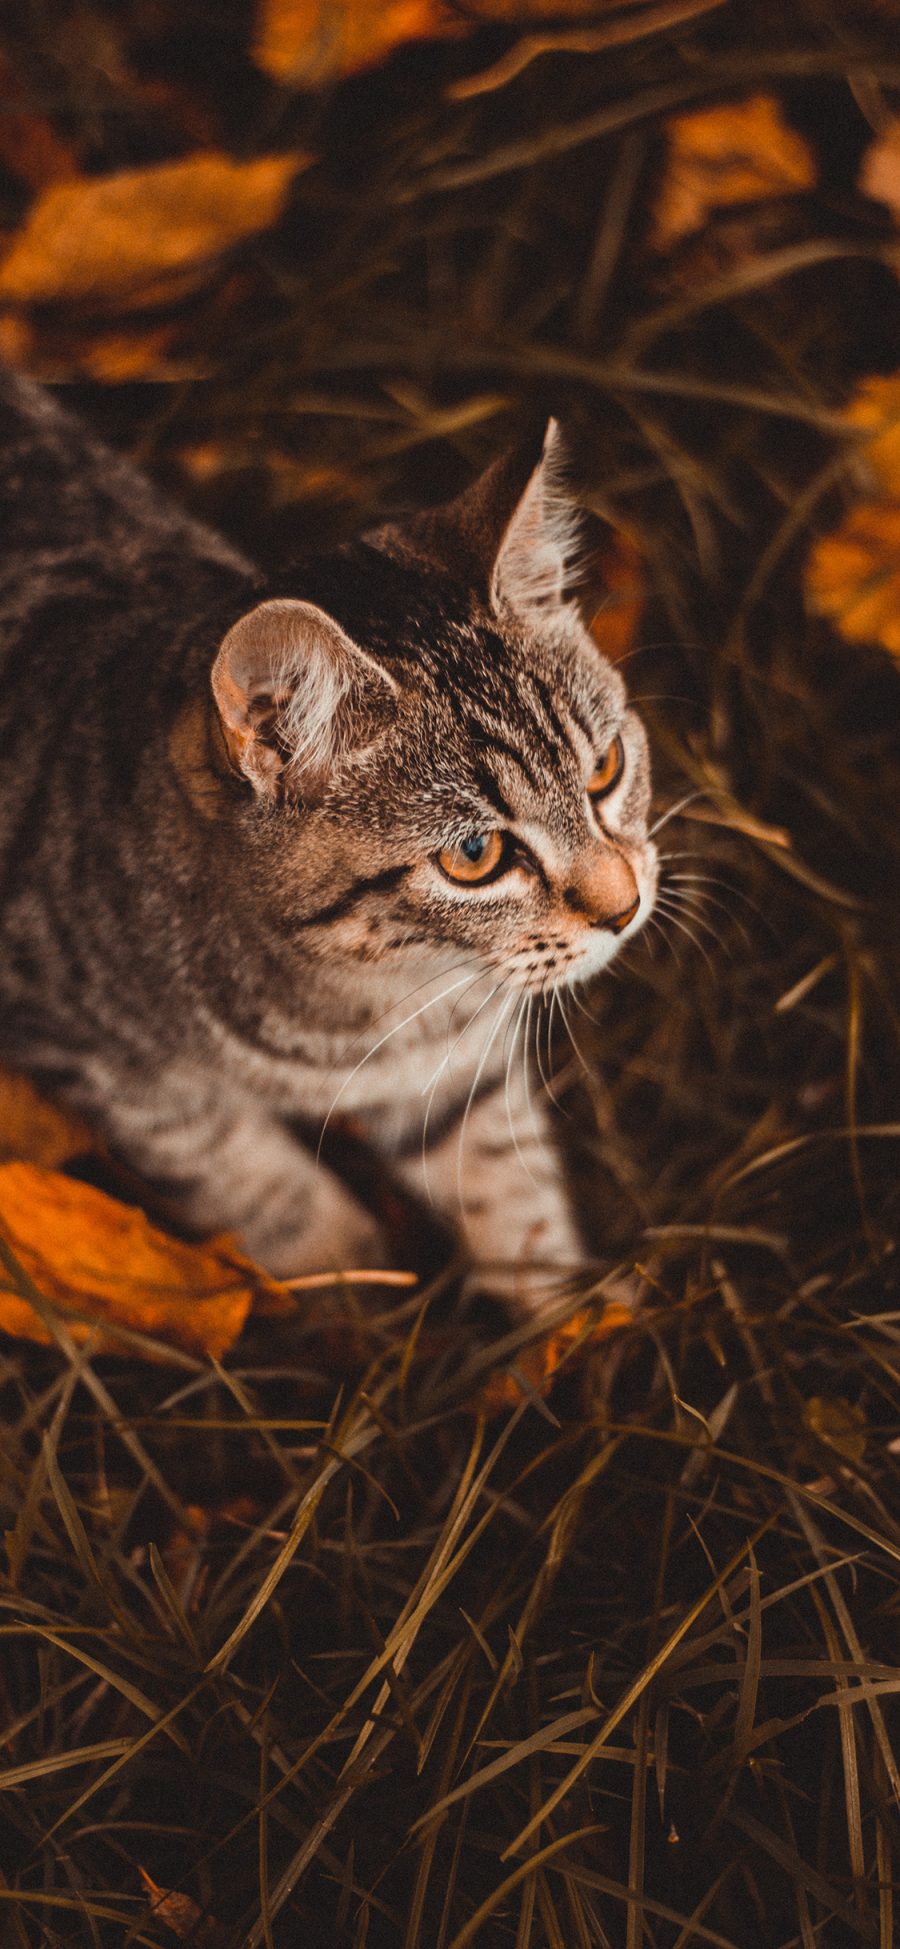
{"points": [[604, 891], [617, 923]]}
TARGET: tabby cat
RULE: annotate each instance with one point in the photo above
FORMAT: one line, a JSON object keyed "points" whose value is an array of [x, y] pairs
{"points": [[270, 855]]}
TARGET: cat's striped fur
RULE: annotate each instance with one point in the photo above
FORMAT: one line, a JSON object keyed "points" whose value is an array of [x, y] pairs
{"points": [[221, 814]]}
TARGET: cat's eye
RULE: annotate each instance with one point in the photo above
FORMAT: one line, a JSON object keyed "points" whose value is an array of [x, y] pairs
{"points": [[607, 771], [476, 858]]}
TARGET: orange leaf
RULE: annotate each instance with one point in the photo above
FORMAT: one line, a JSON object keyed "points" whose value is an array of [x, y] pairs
{"points": [[853, 576], [539, 1363], [105, 1262], [875, 409], [737, 152], [144, 234], [622, 572], [180, 1913], [34, 1129], [309, 42], [880, 172]]}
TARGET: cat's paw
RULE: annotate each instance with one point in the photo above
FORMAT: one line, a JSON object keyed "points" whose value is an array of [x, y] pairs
{"points": [[331, 1232]]}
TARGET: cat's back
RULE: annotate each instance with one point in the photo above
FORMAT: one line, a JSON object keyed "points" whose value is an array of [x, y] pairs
{"points": [[98, 577], [74, 516]]}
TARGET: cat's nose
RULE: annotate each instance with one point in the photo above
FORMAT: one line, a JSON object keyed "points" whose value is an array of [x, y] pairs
{"points": [[605, 892]]}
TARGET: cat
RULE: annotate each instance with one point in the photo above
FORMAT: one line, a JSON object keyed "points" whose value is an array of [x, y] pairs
{"points": [[273, 854]]}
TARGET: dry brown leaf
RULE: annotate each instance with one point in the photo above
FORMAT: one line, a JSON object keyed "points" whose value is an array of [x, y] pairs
{"points": [[143, 235], [33, 1129], [839, 1422], [92, 1256], [181, 1913], [737, 152], [853, 576], [880, 172]]}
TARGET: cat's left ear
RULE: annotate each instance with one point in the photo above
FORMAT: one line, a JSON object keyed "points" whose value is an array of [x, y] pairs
{"points": [[538, 539], [296, 697], [510, 536]]}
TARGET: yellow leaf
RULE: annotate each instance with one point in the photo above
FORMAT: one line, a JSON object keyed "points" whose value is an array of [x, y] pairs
{"points": [[841, 1423], [737, 152], [34, 1129], [143, 234], [853, 575], [92, 1256]]}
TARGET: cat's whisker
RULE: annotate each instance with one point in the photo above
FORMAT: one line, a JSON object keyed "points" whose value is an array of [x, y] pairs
{"points": [[690, 798], [407, 1019], [399, 1000], [502, 1015], [674, 902], [446, 1059], [432, 1084], [684, 929], [526, 1063], [517, 1023], [726, 886], [541, 996], [576, 998], [576, 1045], [658, 928], [694, 896]]}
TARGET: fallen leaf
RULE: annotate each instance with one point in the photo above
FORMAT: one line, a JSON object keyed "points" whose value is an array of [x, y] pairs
{"points": [[143, 235], [879, 175], [308, 42], [181, 1913], [311, 41], [538, 1364], [875, 410], [839, 1422], [36, 1130], [621, 572], [104, 1261], [853, 575], [737, 152]]}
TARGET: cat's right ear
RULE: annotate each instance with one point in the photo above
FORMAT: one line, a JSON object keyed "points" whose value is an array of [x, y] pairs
{"points": [[296, 697]]}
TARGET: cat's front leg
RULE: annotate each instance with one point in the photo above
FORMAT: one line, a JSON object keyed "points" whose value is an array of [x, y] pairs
{"points": [[228, 1167], [498, 1178]]}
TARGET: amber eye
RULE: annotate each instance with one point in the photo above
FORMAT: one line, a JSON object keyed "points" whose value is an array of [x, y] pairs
{"points": [[474, 859], [608, 770]]}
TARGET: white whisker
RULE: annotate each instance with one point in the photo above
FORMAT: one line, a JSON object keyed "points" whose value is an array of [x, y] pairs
{"points": [[407, 1019], [502, 1013], [689, 799], [517, 1023]]}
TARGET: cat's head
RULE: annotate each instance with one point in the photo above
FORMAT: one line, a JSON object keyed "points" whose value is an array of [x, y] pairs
{"points": [[437, 756]]}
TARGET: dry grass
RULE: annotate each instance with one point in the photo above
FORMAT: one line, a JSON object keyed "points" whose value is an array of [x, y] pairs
{"points": [[310, 1640]]}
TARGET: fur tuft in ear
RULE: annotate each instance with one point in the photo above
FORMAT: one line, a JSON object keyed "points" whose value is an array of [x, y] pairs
{"points": [[511, 536], [535, 555], [296, 696]]}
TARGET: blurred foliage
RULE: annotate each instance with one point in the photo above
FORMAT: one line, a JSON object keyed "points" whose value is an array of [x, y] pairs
{"points": [[296, 1646]]}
